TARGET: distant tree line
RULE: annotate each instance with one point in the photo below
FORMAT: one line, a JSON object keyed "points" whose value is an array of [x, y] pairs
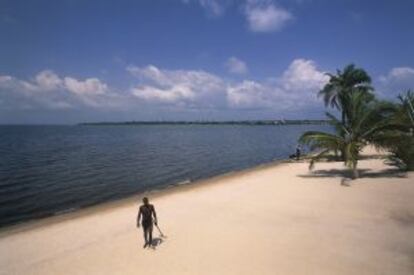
{"points": [[232, 122]]}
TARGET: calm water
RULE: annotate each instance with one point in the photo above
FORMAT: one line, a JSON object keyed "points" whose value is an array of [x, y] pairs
{"points": [[46, 170]]}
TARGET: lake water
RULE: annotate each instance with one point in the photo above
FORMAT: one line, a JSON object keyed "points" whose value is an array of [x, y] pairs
{"points": [[46, 170]]}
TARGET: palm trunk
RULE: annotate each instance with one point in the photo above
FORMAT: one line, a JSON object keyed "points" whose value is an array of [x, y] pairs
{"points": [[355, 170], [343, 155]]}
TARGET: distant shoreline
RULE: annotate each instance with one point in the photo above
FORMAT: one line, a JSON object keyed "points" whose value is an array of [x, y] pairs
{"points": [[242, 122]]}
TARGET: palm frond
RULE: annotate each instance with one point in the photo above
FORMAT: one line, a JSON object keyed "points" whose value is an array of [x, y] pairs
{"points": [[321, 140]]}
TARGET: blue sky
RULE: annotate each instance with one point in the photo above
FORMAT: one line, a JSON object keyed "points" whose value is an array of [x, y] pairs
{"points": [[69, 61]]}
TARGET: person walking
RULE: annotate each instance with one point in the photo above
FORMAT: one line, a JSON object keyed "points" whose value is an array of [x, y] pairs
{"points": [[147, 217]]}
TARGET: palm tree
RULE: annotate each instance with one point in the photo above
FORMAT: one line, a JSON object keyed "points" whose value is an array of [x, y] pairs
{"points": [[401, 143], [406, 108], [364, 122], [349, 80]]}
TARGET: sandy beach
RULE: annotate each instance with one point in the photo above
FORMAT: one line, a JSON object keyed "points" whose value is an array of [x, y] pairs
{"points": [[275, 219]]}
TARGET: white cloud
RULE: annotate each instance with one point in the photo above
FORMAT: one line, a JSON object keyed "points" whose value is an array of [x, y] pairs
{"points": [[155, 89], [213, 7], [400, 73], [5, 78], [48, 90], [236, 66], [91, 92], [296, 87], [264, 16], [11, 83], [300, 84], [248, 94], [89, 86], [398, 80], [175, 86], [303, 75], [25, 95], [47, 80], [170, 95], [261, 15], [152, 73]]}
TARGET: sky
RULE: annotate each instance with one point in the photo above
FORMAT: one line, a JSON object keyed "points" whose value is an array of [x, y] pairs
{"points": [[70, 61]]}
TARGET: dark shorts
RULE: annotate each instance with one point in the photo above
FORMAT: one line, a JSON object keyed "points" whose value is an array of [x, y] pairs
{"points": [[146, 224]]}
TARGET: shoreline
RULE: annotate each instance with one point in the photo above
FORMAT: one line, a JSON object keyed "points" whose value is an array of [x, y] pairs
{"points": [[166, 190]]}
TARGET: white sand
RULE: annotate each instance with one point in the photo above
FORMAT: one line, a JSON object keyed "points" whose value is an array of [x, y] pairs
{"points": [[274, 220]]}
